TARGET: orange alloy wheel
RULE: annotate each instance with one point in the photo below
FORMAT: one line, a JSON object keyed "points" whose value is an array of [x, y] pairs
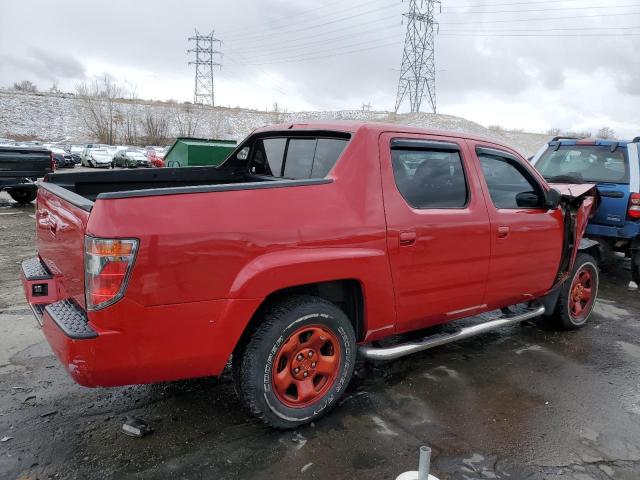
{"points": [[306, 366]]}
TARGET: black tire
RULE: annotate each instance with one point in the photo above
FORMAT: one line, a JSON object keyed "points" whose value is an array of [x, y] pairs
{"points": [[292, 320], [24, 195], [565, 315]]}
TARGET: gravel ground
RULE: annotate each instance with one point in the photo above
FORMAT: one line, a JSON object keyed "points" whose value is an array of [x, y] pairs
{"points": [[525, 402]]}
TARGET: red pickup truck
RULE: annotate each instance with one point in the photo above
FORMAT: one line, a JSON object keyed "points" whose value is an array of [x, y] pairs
{"points": [[311, 243]]}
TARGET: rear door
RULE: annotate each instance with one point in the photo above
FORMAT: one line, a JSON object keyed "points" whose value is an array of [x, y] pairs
{"points": [[526, 241], [437, 229]]}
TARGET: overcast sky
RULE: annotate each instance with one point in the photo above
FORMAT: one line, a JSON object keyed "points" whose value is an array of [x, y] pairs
{"points": [[572, 64]]}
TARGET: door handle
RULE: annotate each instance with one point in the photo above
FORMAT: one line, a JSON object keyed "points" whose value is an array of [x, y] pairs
{"points": [[407, 238], [503, 231]]}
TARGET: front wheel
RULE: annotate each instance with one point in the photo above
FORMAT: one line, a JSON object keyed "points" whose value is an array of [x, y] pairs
{"points": [[578, 294], [297, 363]]}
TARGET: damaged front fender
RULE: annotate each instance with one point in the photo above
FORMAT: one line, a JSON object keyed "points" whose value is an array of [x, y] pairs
{"points": [[578, 204]]}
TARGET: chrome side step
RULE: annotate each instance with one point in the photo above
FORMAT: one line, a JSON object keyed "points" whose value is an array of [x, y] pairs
{"points": [[397, 351]]}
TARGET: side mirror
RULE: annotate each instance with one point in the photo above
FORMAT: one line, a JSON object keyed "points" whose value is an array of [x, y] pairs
{"points": [[552, 199], [528, 200]]}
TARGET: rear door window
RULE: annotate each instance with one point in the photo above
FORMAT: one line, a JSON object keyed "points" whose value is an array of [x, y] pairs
{"points": [[430, 178], [296, 158]]}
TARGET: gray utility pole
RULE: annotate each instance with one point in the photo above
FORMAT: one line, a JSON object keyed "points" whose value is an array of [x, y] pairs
{"points": [[203, 92], [418, 70]]}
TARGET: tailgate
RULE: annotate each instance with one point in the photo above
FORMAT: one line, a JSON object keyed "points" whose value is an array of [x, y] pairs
{"points": [[60, 229]]}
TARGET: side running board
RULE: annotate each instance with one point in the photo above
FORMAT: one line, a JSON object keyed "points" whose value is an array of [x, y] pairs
{"points": [[397, 351]]}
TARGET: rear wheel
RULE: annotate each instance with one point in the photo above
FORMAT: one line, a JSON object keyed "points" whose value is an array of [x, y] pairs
{"points": [[298, 362], [24, 195], [578, 294]]}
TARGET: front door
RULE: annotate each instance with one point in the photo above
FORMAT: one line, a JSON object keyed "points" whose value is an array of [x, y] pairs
{"points": [[526, 237], [437, 228]]}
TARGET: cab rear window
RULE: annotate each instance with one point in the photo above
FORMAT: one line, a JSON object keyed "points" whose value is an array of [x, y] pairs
{"points": [[296, 158], [586, 163]]}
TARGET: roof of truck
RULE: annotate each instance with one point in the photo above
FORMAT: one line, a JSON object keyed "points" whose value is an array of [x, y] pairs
{"points": [[352, 126]]}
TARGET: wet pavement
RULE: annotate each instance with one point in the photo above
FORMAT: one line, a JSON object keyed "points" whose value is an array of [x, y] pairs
{"points": [[524, 402]]}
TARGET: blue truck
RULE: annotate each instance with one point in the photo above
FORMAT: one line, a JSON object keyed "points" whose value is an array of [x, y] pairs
{"points": [[614, 165]]}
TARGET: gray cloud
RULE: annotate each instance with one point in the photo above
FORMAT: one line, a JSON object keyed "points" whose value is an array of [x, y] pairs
{"points": [[67, 39]]}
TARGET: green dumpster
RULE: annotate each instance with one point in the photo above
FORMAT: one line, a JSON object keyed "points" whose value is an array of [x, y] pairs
{"points": [[190, 152]]}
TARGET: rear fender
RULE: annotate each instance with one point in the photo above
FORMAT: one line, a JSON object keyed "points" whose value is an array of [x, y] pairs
{"points": [[275, 271]]}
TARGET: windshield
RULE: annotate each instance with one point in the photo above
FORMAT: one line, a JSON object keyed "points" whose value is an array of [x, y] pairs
{"points": [[587, 163]]}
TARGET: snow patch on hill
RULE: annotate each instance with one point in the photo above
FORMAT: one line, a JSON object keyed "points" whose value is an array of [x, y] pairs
{"points": [[57, 116]]}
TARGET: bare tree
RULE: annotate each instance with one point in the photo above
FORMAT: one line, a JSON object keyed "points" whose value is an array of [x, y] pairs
{"points": [[130, 120], [554, 132], [155, 127], [100, 109], [606, 133], [186, 119], [25, 86]]}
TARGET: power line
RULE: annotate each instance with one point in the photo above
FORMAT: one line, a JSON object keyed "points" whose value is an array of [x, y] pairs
{"points": [[324, 49], [331, 55], [542, 9], [543, 19], [261, 26], [296, 40], [302, 28], [482, 5], [581, 35]]}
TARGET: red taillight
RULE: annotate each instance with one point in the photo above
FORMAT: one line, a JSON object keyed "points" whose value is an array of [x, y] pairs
{"points": [[634, 205], [107, 266]]}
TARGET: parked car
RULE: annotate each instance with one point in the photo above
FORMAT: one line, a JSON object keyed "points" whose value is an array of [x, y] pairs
{"points": [[98, 157], [62, 158], [130, 158], [84, 161], [20, 168], [614, 165], [310, 243]]}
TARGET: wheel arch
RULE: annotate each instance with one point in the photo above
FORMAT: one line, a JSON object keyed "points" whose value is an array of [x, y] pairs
{"points": [[347, 294]]}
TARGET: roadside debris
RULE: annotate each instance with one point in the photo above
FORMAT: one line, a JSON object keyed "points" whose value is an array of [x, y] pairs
{"points": [[28, 398], [306, 467], [134, 427], [48, 414], [5, 439], [633, 286]]}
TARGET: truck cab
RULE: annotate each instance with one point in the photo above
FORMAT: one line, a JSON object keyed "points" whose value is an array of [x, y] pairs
{"points": [[614, 166]]}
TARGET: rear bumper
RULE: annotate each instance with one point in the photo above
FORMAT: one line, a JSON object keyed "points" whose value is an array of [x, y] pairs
{"points": [[128, 343]]}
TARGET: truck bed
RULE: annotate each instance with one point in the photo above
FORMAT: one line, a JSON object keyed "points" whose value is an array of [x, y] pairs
{"points": [[83, 188]]}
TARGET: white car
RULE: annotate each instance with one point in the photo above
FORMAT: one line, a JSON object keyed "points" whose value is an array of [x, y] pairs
{"points": [[97, 158]]}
